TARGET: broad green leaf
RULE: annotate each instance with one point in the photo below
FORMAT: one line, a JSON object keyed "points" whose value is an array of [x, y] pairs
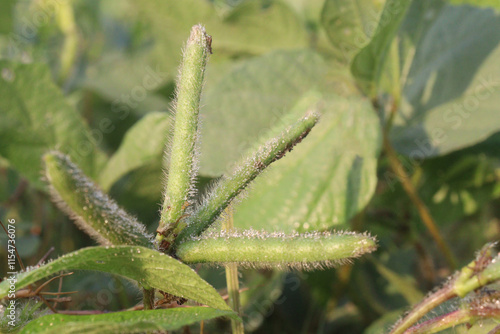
{"points": [[368, 64], [149, 267], [126, 322], [250, 99], [452, 91], [34, 118], [308, 10], [6, 10], [129, 82], [256, 27], [325, 180], [349, 24], [252, 27], [480, 3], [489, 147], [142, 144]]}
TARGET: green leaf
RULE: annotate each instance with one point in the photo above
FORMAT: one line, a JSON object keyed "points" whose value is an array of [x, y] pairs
{"points": [[34, 118], [368, 64], [123, 322], [249, 100], [6, 10], [252, 27], [150, 268], [349, 25], [451, 95], [129, 82], [480, 3], [142, 145], [325, 180]]}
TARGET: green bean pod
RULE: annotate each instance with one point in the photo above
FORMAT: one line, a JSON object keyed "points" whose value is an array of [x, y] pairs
{"points": [[258, 249], [93, 211]]}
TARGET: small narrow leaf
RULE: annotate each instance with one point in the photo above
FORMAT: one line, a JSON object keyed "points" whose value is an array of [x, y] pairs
{"points": [[93, 211], [123, 322], [245, 171], [150, 268], [276, 250], [182, 166]]}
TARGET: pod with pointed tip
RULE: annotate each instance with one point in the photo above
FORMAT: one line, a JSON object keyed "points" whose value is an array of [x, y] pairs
{"points": [[93, 211], [245, 171], [182, 161], [277, 250]]}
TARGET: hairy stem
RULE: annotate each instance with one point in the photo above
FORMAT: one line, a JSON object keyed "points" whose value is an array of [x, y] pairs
{"points": [[422, 209], [453, 319], [232, 281], [277, 250], [182, 166], [93, 211], [247, 170], [422, 308], [482, 271]]}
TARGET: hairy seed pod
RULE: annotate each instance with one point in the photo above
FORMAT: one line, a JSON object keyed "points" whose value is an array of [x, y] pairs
{"points": [[246, 170], [259, 249], [182, 148], [93, 211]]}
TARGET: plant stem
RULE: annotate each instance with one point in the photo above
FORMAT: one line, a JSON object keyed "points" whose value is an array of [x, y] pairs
{"points": [[246, 170], [233, 285], [480, 272], [422, 308], [452, 319], [182, 166], [441, 323], [148, 298], [422, 209]]}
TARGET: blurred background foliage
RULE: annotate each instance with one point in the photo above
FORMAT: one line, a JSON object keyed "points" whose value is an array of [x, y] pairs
{"points": [[96, 79]]}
